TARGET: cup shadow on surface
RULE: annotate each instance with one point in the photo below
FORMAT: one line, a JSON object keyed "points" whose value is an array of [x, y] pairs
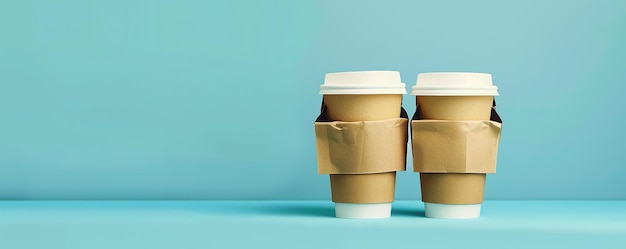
{"points": [[300, 209], [245, 208], [407, 212]]}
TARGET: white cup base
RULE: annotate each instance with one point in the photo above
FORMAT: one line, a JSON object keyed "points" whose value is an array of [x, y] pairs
{"points": [[452, 211], [362, 211]]}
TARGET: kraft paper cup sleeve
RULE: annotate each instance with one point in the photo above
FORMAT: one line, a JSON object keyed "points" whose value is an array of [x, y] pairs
{"points": [[362, 147], [447, 146]]}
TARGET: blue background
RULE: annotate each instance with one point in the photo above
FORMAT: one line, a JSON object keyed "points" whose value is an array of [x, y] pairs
{"points": [[216, 99]]}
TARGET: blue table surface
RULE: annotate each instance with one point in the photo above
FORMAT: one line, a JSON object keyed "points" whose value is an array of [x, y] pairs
{"points": [[305, 224]]}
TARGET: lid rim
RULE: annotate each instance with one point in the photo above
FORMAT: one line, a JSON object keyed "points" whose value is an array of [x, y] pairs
{"points": [[456, 92], [362, 87], [363, 91], [399, 88], [442, 86]]}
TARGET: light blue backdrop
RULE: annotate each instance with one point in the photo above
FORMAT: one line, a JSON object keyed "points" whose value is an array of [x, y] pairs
{"points": [[216, 99]]}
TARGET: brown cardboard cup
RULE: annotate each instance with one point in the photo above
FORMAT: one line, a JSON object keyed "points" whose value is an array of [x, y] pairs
{"points": [[453, 96], [452, 195], [451, 188], [363, 188], [363, 96]]}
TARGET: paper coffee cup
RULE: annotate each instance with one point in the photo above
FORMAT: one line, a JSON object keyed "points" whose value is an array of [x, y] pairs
{"points": [[453, 96], [363, 96]]}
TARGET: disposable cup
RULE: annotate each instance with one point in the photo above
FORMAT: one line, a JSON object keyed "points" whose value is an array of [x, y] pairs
{"points": [[363, 96], [453, 96]]}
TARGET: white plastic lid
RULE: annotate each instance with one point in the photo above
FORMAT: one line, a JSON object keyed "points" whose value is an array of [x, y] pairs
{"points": [[363, 82], [452, 211], [362, 211], [454, 84]]}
